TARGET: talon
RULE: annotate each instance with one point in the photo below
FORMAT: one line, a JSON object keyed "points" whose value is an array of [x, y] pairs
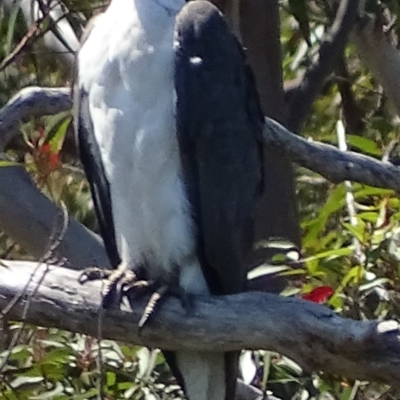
{"points": [[152, 305], [138, 285], [93, 274], [114, 289], [125, 282]]}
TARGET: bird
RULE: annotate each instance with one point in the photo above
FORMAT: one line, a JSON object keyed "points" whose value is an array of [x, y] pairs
{"points": [[169, 130]]}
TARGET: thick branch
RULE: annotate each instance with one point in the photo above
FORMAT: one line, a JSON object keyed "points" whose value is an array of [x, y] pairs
{"points": [[310, 334], [31, 102], [331, 48], [30, 218], [327, 160]]}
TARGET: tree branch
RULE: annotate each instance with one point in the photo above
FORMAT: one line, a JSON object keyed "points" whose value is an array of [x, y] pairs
{"points": [[314, 78], [310, 334], [31, 102], [30, 218], [327, 160]]}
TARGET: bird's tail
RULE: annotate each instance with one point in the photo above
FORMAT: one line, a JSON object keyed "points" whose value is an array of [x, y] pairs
{"points": [[205, 375]]}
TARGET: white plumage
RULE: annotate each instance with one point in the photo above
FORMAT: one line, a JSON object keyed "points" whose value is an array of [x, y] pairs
{"points": [[126, 67]]}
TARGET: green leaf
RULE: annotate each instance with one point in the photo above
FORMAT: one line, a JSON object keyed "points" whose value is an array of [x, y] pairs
{"points": [[364, 144], [331, 254], [358, 231], [354, 275], [315, 227], [362, 191], [57, 135], [9, 163]]}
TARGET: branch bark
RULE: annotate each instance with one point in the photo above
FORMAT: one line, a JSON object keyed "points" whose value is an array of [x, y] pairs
{"points": [[31, 102], [310, 334], [332, 163], [28, 216]]}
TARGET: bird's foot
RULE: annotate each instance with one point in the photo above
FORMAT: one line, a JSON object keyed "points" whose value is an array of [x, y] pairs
{"points": [[159, 293], [125, 282], [118, 282]]}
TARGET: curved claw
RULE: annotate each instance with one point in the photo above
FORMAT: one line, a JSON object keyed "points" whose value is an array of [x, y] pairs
{"points": [[160, 294], [93, 274], [152, 304], [123, 282]]}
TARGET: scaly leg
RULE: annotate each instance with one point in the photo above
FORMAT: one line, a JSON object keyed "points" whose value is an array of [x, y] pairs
{"points": [[125, 282], [117, 282]]}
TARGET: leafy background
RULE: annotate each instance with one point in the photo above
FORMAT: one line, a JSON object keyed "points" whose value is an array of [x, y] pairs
{"points": [[349, 259]]}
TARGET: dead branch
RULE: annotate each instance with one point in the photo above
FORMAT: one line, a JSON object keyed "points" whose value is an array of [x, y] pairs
{"points": [[310, 334], [31, 102], [330, 162], [29, 217]]}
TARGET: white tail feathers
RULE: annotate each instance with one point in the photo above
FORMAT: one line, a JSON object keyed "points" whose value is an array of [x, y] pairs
{"points": [[203, 374]]}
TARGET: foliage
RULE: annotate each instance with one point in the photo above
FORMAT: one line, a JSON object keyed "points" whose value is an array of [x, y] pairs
{"points": [[354, 254]]}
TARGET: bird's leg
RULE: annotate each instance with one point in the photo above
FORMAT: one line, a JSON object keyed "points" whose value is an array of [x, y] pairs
{"points": [[125, 282], [118, 281], [159, 293]]}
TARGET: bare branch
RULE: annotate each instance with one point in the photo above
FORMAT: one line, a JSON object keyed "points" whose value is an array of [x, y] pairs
{"points": [[31, 102], [29, 218], [310, 334], [330, 162], [332, 46]]}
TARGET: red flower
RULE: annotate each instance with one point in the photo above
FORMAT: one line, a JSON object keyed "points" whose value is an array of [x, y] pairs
{"points": [[319, 294], [54, 160], [45, 148], [49, 156]]}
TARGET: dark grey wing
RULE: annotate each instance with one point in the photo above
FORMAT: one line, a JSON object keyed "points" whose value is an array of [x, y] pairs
{"points": [[95, 173], [219, 125]]}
